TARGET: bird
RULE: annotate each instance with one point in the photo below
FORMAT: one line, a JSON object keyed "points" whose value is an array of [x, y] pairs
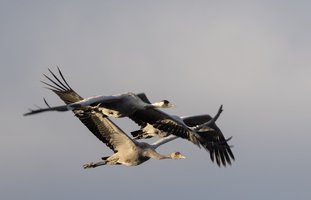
{"points": [[221, 153], [134, 106], [111, 101], [198, 122], [127, 151], [140, 110]]}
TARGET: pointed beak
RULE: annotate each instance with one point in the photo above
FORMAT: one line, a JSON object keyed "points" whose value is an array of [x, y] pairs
{"points": [[171, 105], [204, 129]]}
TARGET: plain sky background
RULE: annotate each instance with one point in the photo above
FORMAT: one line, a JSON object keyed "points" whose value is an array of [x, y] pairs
{"points": [[251, 56]]}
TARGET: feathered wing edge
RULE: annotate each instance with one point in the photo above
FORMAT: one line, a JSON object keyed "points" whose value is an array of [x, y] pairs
{"points": [[218, 146], [93, 119], [212, 140], [62, 89]]}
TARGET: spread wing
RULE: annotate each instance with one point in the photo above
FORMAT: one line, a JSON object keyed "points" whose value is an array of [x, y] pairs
{"points": [[62, 89], [215, 143], [143, 97], [164, 122], [103, 128], [217, 146], [195, 120]]}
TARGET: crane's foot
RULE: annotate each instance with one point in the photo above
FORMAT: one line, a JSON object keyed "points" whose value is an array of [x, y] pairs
{"points": [[89, 165], [93, 165]]}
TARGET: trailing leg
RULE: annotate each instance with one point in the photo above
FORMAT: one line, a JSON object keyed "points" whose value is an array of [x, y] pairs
{"points": [[93, 165]]}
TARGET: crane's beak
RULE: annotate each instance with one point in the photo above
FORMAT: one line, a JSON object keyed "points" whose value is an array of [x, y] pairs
{"points": [[167, 104], [163, 104], [171, 105], [205, 129]]}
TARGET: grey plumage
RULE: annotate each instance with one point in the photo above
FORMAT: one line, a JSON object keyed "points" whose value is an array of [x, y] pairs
{"points": [[126, 150], [201, 130], [206, 128], [130, 105]]}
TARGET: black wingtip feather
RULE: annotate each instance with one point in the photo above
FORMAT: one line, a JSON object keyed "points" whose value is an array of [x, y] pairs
{"points": [[222, 157], [231, 154], [61, 74], [227, 156], [212, 155], [64, 86], [46, 103], [217, 157]]}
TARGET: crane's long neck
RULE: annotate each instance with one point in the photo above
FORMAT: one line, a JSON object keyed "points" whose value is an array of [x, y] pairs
{"points": [[155, 155], [163, 141]]}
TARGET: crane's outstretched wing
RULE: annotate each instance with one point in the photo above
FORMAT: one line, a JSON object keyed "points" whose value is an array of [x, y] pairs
{"points": [[143, 97], [91, 101], [218, 148], [104, 129], [217, 145], [195, 120], [62, 89], [164, 122], [221, 152]]}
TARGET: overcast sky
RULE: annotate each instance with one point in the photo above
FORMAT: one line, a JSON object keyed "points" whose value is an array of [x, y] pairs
{"points": [[251, 56]]}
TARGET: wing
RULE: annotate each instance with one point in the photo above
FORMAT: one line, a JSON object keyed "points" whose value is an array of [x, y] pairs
{"points": [[111, 102], [111, 134], [143, 97], [62, 89], [195, 120], [104, 129], [221, 152], [217, 144], [164, 122], [148, 131]]}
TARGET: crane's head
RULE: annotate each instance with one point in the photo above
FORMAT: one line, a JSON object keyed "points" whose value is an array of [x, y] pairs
{"points": [[163, 104], [177, 155]]}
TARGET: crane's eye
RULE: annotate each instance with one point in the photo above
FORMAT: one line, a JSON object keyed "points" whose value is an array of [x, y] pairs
{"points": [[166, 102]]}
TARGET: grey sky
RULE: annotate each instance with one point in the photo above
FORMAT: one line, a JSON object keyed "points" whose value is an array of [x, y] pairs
{"points": [[251, 56]]}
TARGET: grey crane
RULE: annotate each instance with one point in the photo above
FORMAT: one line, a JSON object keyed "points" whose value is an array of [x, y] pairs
{"points": [[135, 106], [127, 151]]}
